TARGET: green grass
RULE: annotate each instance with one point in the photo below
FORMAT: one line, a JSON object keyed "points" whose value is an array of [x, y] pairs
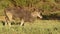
{"points": [[49, 6], [38, 27]]}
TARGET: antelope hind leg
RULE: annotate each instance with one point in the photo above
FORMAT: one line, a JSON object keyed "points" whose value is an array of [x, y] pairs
{"points": [[22, 22]]}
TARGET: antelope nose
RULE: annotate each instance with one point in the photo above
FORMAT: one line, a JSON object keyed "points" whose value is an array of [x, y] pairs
{"points": [[41, 17]]}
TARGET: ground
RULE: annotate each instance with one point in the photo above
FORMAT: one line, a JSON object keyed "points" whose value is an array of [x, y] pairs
{"points": [[38, 27], [49, 7]]}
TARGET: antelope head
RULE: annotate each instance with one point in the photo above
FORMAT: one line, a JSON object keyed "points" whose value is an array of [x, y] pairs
{"points": [[37, 14]]}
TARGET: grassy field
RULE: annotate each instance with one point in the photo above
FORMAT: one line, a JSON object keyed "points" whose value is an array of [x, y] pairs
{"points": [[38, 27], [49, 7]]}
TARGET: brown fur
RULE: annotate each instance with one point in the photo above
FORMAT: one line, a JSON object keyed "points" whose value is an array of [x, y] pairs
{"points": [[20, 13]]}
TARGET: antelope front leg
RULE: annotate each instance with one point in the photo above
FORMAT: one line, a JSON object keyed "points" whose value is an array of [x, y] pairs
{"points": [[22, 22], [5, 23], [9, 24]]}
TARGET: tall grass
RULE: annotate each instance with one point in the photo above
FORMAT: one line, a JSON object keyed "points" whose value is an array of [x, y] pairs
{"points": [[38, 27]]}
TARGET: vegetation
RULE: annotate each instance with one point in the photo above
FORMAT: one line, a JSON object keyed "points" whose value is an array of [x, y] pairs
{"points": [[48, 6], [50, 10], [38, 27]]}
